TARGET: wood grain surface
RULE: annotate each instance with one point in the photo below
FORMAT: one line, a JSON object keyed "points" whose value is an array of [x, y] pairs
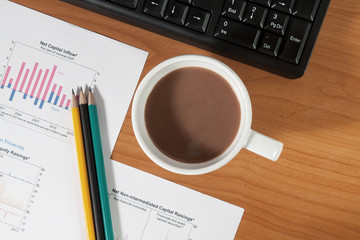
{"points": [[313, 190]]}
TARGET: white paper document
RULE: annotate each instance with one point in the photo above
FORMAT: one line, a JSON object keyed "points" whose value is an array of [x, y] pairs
{"points": [[147, 207], [41, 60]]}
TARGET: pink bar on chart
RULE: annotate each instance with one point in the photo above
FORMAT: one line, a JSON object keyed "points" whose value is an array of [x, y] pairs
{"points": [[62, 100], [59, 91], [68, 103], [19, 75], [49, 82], [36, 83], [11, 80], [24, 80], [54, 87], [6, 75], [42, 84], [31, 78]]}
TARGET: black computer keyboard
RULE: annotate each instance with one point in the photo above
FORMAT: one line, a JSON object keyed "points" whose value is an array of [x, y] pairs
{"points": [[274, 35]]}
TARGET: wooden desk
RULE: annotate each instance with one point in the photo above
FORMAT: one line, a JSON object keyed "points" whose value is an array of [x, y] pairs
{"points": [[313, 190]]}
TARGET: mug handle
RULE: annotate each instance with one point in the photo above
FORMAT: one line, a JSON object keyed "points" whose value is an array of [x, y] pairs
{"points": [[264, 145]]}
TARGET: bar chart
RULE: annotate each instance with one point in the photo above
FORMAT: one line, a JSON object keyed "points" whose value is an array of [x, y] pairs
{"points": [[35, 89], [36, 86]]}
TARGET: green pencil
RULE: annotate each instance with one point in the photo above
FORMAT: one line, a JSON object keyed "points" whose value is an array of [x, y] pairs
{"points": [[100, 168]]}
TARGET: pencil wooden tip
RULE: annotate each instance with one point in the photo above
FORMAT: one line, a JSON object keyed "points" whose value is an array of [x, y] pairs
{"points": [[82, 98], [91, 99], [74, 102]]}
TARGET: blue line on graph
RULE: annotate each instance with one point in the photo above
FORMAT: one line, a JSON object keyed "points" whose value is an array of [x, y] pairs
{"points": [[20, 179], [36, 100]]}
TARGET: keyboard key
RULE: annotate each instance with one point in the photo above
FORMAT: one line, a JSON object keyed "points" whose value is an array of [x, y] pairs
{"points": [[155, 8], [176, 13], [197, 19], [237, 33], [255, 15], [306, 9], [262, 2], [185, 1], [295, 40], [234, 9], [283, 5], [276, 22], [270, 44], [254, 31], [127, 3], [212, 6]]}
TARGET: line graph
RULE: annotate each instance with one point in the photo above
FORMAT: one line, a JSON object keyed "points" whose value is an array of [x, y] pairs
{"points": [[18, 187], [20, 170]]}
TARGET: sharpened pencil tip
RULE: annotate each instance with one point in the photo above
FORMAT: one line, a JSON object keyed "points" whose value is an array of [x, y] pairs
{"points": [[91, 100], [74, 102], [82, 98]]}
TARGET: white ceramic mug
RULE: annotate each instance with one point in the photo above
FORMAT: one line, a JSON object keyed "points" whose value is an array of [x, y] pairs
{"points": [[245, 137]]}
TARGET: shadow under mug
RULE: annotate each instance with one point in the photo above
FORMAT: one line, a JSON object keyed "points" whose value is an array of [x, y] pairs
{"points": [[245, 137]]}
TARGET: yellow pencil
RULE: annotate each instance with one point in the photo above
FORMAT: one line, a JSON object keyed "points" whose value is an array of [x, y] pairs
{"points": [[82, 169]]}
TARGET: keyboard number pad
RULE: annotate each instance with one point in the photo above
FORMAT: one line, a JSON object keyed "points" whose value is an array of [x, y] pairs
{"points": [[270, 44], [237, 33], [255, 15], [234, 9], [276, 22], [271, 27]]}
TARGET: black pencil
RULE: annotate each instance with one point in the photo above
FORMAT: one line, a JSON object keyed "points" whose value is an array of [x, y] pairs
{"points": [[91, 167]]}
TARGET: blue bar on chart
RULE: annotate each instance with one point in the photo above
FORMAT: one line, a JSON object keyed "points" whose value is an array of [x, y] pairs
{"points": [[52, 93], [58, 95], [48, 86], [10, 82]]}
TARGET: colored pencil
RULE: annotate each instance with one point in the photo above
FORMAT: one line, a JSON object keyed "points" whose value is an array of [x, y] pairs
{"points": [[91, 168], [100, 168], [82, 169]]}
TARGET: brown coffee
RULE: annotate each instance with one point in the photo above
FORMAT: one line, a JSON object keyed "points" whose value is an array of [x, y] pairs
{"points": [[192, 115]]}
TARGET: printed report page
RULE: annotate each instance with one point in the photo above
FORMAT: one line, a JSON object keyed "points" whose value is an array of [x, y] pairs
{"points": [[41, 60]]}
